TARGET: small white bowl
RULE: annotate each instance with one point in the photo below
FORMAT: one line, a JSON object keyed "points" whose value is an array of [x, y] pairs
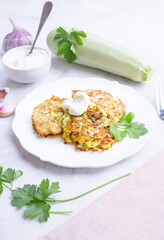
{"points": [[26, 75]]}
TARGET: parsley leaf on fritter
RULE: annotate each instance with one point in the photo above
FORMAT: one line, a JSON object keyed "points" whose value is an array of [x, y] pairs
{"points": [[127, 127]]}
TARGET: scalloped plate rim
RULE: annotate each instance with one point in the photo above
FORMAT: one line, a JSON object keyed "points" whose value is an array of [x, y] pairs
{"points": [[81, 165]]}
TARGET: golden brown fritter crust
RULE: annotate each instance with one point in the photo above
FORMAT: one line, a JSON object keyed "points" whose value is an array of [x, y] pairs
{"points": [[91, 129], [47, 117], [86, 134], [113, 108]]}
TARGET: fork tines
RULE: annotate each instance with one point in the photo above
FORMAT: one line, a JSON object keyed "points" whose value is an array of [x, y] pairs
{"points": [[159, 92]]}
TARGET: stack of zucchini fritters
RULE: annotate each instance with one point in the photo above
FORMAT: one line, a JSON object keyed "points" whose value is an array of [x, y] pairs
{"points": [[91, 130]]}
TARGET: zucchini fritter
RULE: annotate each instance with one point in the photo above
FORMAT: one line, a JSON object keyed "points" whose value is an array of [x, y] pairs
{"points": [[47, 117], [91, 129], [86, 134]]}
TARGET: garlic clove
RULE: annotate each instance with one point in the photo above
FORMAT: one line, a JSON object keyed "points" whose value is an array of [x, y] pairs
{"points": [[3, 93], [7, 110], [18, 37]]}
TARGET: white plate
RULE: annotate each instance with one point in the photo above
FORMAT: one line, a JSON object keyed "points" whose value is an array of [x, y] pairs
{"points": [[52, 149]]}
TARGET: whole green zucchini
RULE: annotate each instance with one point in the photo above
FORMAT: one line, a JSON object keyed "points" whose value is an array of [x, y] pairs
{"points": [[102, 54]]}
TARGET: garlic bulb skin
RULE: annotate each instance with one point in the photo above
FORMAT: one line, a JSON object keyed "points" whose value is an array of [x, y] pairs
{"points": [[18, 37], [3, 93], [7, 110]]}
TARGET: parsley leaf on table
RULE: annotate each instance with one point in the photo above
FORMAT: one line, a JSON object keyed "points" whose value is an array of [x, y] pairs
{"points": [[8, 176], [67, 42], [1, 170], [38, 209], [1, 187], [23, 196], [44, 190], [127, 127], [35, 199]]}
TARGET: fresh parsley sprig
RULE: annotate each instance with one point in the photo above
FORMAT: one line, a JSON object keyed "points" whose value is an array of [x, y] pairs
{"points": [[67, 42], [127, 127], [37, 200], [8, 176]]}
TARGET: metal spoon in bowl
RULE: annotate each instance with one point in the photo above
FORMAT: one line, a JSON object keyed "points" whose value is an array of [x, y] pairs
{"points": [[45, 13]]}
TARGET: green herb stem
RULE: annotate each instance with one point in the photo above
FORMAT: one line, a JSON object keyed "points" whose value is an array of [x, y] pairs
{"points": [[7, 186], [5, 180], [62, 212], [94, 189], [50, 200]]}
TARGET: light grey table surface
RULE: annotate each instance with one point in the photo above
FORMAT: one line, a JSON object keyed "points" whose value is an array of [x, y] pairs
{"points": [[137, 25]]}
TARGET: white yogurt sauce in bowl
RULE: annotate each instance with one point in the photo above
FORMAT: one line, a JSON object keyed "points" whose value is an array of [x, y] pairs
{"points": [[23, 67], [19, 58]]}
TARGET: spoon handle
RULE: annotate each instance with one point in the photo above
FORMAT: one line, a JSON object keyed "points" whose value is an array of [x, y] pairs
{"points": [[45, 13]]}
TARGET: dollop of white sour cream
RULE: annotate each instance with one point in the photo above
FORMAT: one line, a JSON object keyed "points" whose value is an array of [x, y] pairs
{"points": [[78, 104], [19, 58]]}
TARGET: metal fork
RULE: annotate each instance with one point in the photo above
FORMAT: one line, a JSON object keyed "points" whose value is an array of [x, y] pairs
{"points": [[159, 94]]}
